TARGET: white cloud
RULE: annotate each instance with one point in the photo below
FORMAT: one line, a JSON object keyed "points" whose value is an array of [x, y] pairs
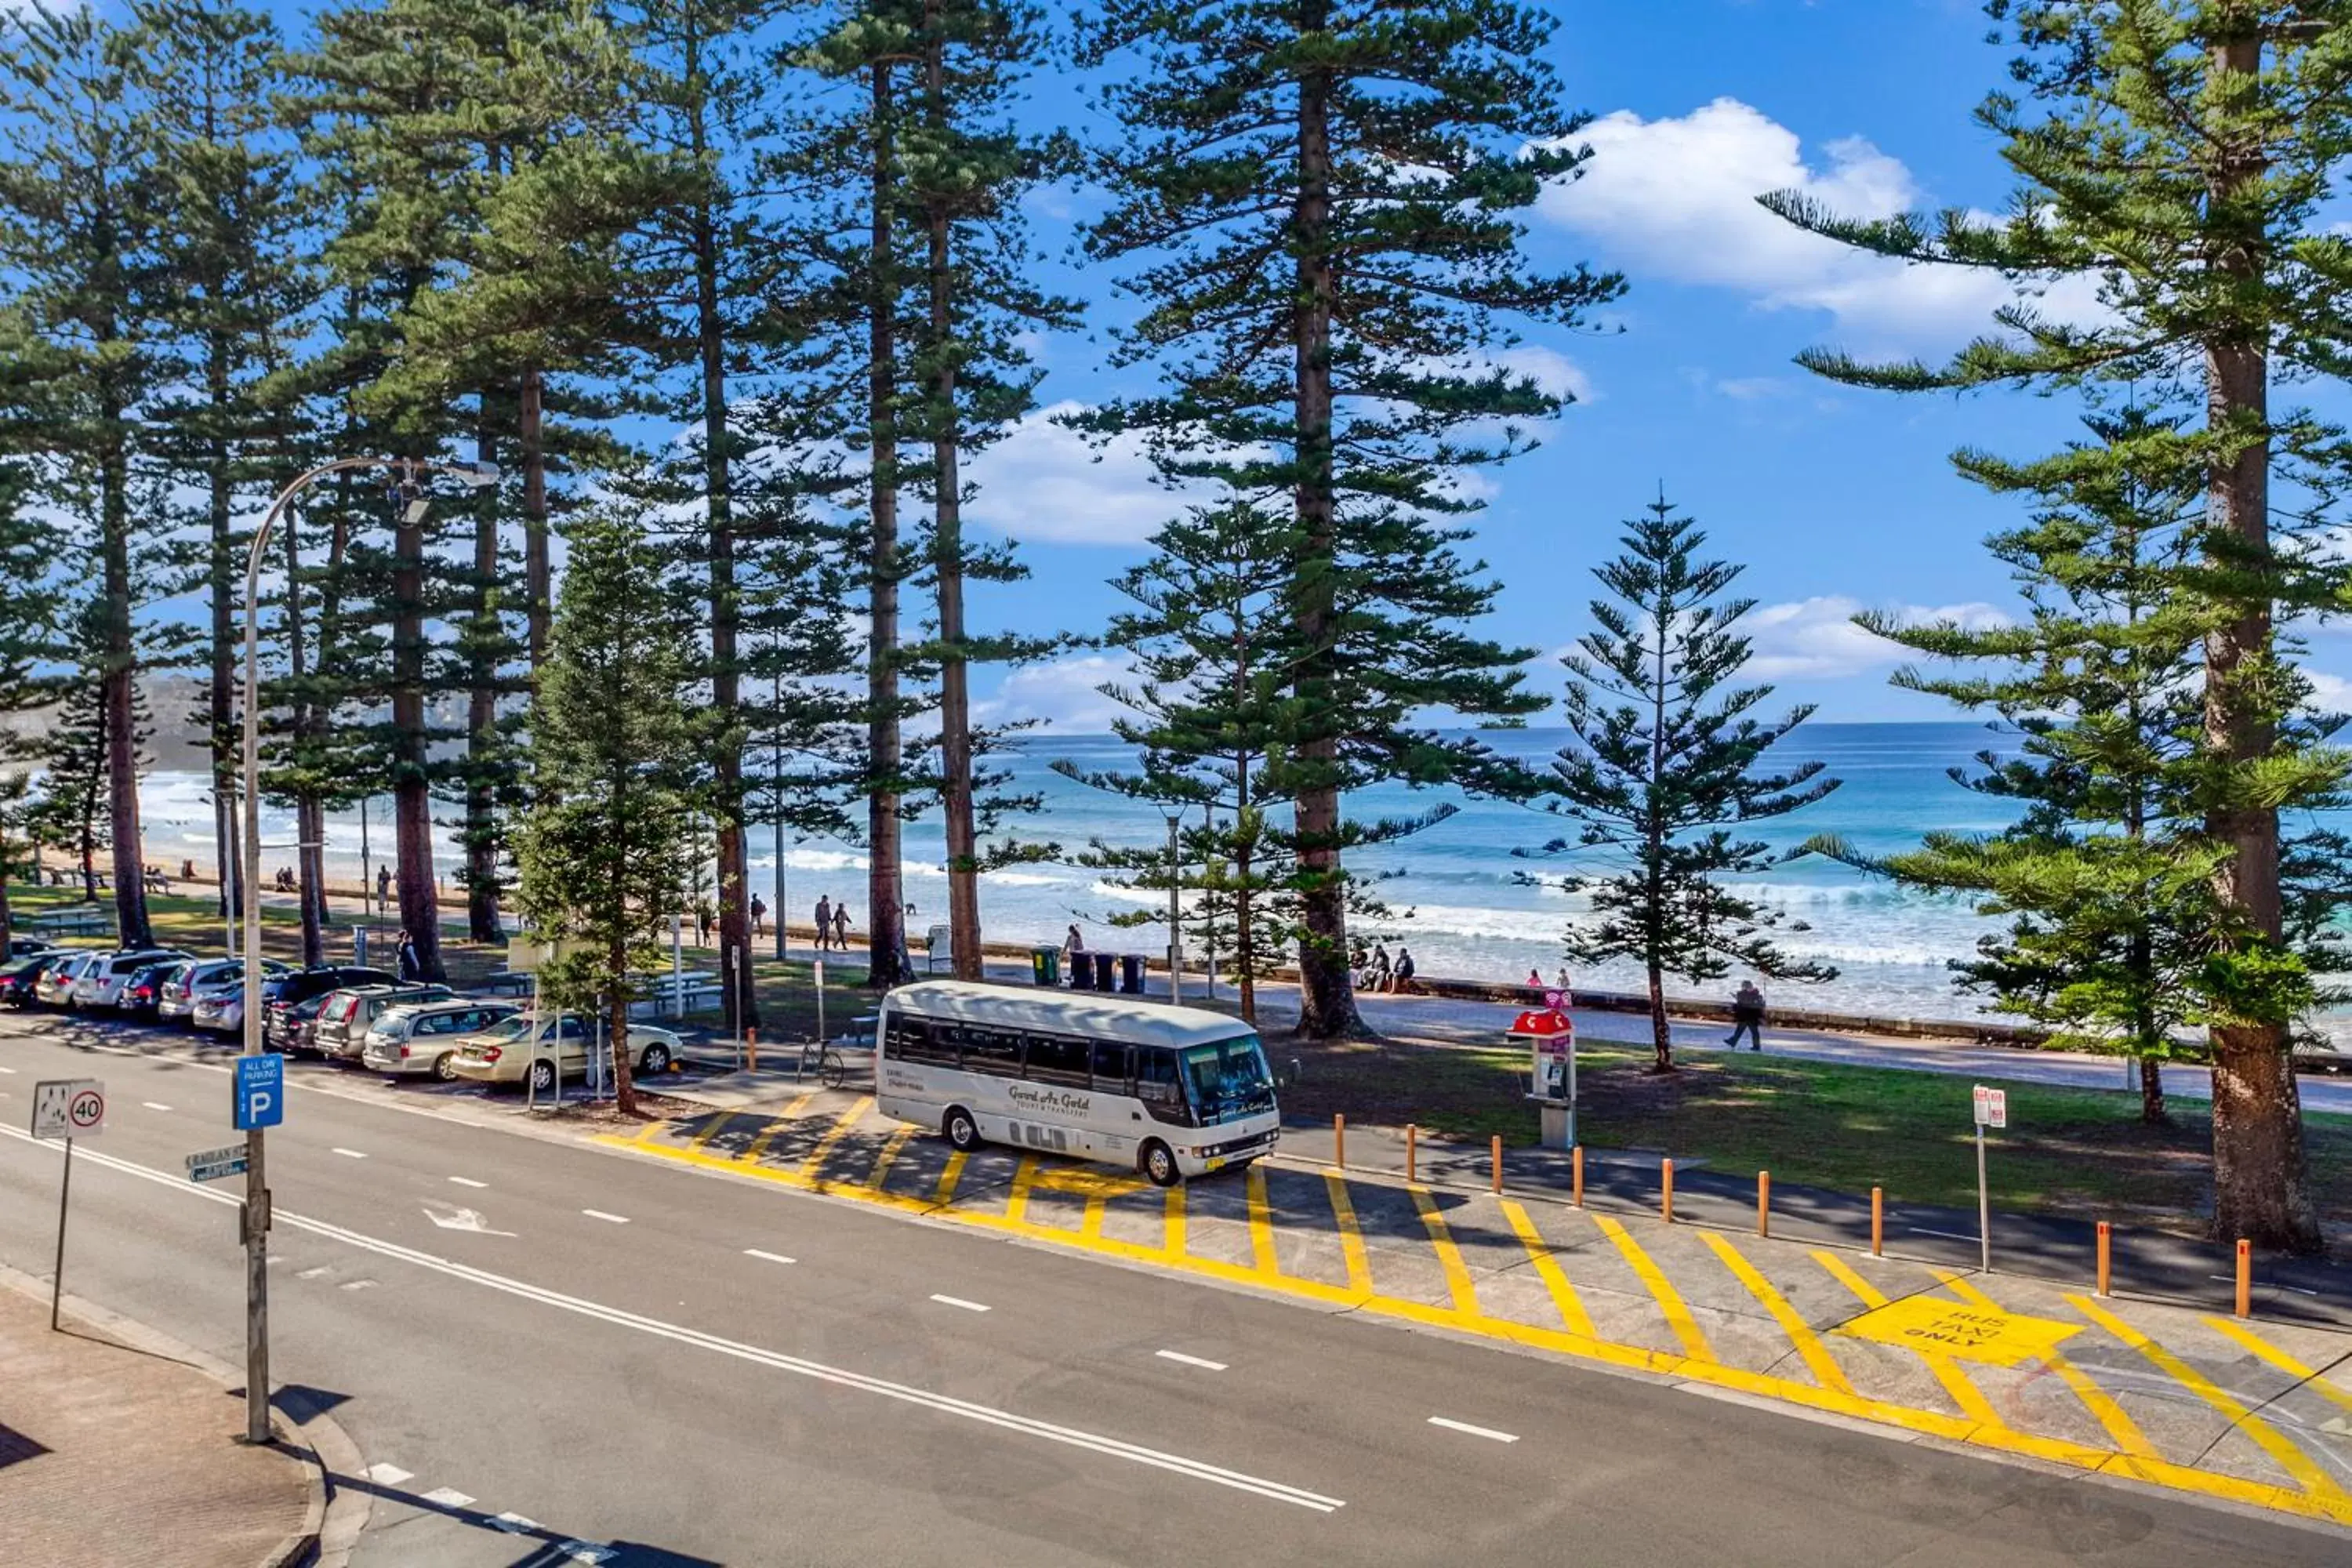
{"points": [[1044, 482], [1675, 198], [1061, 694], [2329, 693], [1816, 639]]}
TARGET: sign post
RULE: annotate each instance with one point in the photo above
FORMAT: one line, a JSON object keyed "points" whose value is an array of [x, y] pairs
{"points": [[258, 1101], [1992, 1107], [67, 1108]]}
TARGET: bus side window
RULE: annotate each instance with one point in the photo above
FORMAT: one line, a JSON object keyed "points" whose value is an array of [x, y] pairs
{"points": [[1110, 1067], [1158, 1085], [992, 1051], [920, 1040], [1058, 1061]]}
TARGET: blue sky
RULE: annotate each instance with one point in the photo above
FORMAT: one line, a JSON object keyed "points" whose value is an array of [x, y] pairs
{"points": [[1836, 500]]}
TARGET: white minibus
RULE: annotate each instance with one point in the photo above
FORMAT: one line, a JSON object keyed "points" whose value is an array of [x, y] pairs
{"points": [[1169, 1091]]}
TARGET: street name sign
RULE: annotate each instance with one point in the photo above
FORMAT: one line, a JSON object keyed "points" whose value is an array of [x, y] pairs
{"points": [[68, 1108], [260, 1092], [212, 1164]]}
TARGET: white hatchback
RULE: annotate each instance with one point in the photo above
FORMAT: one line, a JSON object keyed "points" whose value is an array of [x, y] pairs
{"points": [[100, 983], [422, 1037]]}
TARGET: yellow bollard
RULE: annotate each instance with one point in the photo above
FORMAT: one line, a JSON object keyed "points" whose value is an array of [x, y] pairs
{"points": [[1764, 1203], [2245, 1278], [1878, 1223], [1576, 1175], [1666, 1189], [2102, 1259], [1498, 1163]]}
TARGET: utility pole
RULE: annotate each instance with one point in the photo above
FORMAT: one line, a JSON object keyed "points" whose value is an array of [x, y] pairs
{"points": [[1175, 932], [776, 756]]}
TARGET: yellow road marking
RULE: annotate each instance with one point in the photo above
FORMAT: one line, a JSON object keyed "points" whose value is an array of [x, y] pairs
{"points": [[717, 1125], [1449, 1257], [1670, 1300], [799, 1105], [2280, 1359], [1090, 1227], [1928, 1423], [1173, 1227], [1963, 1329], [1261, 1222], [944, 1193], [2119, 1427], [1016, 1202], [2290, 1458], [1351, 1237], [882, 1161], [751, 1156], [835, 1133], [1965, 1392], [1810, 1348], [1547, 1270]]}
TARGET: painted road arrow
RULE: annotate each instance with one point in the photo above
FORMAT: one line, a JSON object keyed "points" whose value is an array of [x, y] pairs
{"points": [[449, 1216]]}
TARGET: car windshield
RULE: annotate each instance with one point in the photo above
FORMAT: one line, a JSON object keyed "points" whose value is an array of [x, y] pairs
{"points": [[1228, 1080]]}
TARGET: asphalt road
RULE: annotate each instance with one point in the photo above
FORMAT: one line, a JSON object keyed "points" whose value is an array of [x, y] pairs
{"points": [[616, 1352]]}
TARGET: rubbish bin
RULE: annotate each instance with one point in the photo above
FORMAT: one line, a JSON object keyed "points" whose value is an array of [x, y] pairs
{"points": [[1102, 980], [1082, 974], [1045, 965], [1131, 973]]}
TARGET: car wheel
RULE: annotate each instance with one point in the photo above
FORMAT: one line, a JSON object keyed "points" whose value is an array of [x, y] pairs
{"points": [[445, 1067], [1160, 1165], [962, 1130], [542, 1077], [656, 1060]]}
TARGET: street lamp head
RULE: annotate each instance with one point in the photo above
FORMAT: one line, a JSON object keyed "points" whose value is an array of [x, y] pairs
{"points": [[417, 507], [481, 475]]}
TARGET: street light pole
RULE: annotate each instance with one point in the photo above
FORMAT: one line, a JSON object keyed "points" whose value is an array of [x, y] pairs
{"points": [[1175, 932], [776, 768], [254, 1225]]}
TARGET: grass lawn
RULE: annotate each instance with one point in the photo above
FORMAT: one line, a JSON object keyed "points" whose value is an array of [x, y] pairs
{"points": [[1817, 1123]]}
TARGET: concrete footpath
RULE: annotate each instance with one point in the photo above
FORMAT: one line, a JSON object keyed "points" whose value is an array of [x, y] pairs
{"points": [[115, 1452]]}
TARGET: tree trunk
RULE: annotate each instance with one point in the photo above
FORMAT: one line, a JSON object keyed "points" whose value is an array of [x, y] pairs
{"points": [[2261, 1186], [1327, 998], [885, 882], [617, 1032], [411, 804], [538, 580], [484, 636], [1662, 1038], [956, 804], [119, 686], [220, 715]]}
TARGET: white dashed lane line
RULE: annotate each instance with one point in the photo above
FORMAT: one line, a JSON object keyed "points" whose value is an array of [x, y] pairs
{"points": [[1179, 1357], [152, 1105], [1487, 1432], [389, 1475], [609, 1218], [447, 1497], [513, 1523], [960, 1301], [467, 1182], [771, 1256], [350, 1153]]}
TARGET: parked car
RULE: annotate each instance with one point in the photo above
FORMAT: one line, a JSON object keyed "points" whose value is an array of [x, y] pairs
{"points": [[101, 984], [293, 1028], [535, 1048], [144, 994], [220, 1010], [420, 1037], [280, 992], [54, 987], [26, 946], [19, 975], [346, 1015], [199, 980]]}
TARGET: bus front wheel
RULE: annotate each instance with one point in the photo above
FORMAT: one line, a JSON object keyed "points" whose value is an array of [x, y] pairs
{"points": [[1160, 1165], [962, 1130]]}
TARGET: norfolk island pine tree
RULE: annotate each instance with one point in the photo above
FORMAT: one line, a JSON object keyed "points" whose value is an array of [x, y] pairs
{"points": [[1323, 205], [1667, 765], [2179, 152]]}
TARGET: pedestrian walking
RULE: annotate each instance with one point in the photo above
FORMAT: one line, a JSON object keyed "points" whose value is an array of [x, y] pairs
{"points": [[759, 916], [383, 889], [1746, 1016], [840, 927], [825, 923], [412, 966], [702, 923]]}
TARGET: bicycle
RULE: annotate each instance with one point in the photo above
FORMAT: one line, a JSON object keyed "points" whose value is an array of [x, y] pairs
{"points": [[830, 1068]]}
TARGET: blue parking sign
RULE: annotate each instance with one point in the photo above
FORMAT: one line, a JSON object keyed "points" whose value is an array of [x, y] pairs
{"points": [[260, 1091]]}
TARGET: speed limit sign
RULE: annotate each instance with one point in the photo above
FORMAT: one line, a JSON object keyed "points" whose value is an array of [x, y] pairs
{"points": [[68, 1108]]}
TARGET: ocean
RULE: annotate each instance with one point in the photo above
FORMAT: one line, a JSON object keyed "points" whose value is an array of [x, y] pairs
{"points": [[1454, 889]]}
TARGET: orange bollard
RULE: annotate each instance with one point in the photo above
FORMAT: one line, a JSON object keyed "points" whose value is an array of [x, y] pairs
{"points": [[1666, 1189], [751, 1049], [1878, 1223], [1576, 1175], [1763, 1203], [2245, 1278], [1340, 1141], [2102, 1290], [1498, 1163], [1412, 1150]]}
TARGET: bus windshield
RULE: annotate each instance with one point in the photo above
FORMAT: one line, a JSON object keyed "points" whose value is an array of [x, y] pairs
{"points": [[1227, 1080]]}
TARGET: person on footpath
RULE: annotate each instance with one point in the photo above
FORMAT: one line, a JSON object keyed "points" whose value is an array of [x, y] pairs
{"points": [[1746, 1016], [825, 923], [840, 927], [410, 966], [759, 916]]}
